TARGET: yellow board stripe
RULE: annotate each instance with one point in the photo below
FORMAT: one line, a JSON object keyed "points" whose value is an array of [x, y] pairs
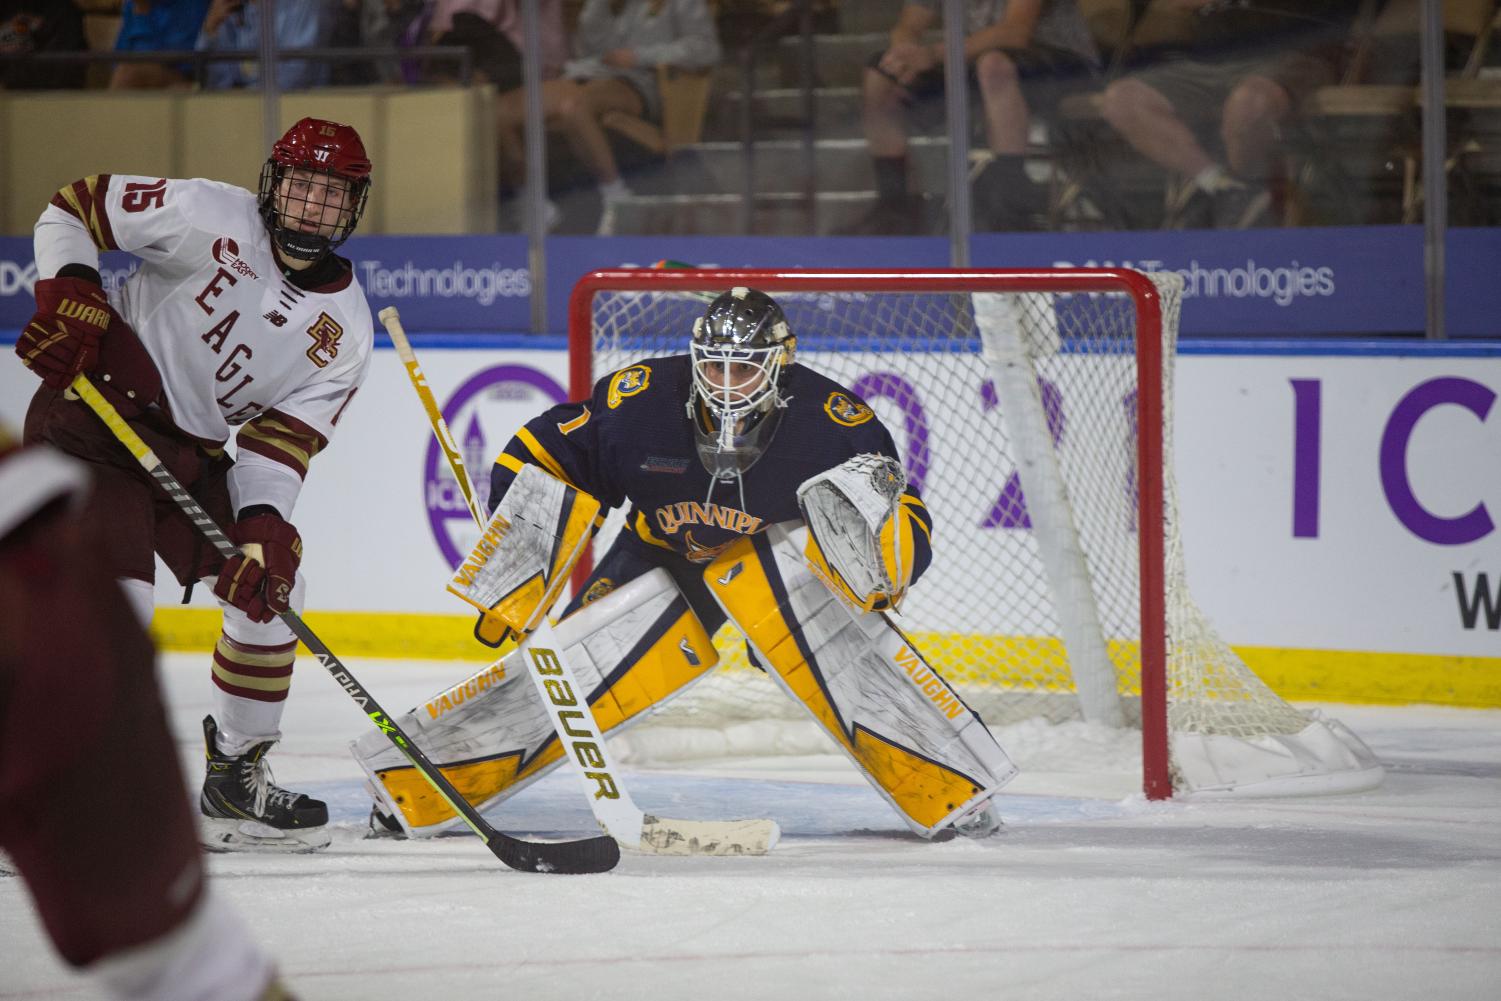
{"points": [[1298, 674]]}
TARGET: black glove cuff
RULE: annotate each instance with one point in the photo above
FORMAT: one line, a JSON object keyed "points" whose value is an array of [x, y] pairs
{"points": [[82, 271], [257, 509]]}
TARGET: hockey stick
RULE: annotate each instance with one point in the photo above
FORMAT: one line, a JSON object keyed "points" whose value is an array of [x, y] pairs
{"points": [[597, 854], [567, 705], [392, 322]]}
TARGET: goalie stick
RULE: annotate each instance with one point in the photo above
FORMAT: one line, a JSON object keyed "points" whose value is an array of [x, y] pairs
{"points": [[567, 706], [597, 854]]}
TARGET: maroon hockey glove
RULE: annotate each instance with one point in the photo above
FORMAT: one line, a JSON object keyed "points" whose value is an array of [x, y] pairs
{"points": [[63, 336], [259, 581]]}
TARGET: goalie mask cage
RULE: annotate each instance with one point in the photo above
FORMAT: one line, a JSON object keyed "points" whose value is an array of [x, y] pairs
{"points": [[1032, 409]]}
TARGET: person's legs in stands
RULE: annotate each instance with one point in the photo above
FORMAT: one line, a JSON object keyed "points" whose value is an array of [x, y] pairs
{"points": [[1154, 110], [1017, 85], [884, 104], [577, 114], [1251, 130], [510, 123]]}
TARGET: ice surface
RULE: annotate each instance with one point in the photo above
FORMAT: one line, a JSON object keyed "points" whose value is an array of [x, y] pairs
{"points": [[1089, 893]]}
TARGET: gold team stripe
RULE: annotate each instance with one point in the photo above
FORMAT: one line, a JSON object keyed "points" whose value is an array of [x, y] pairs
{"points": [[263, 673], [922, 789], [282, 439], [85, 200], [543, 456]]}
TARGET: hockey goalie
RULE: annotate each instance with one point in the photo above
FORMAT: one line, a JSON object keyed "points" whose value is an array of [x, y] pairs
{"points": [[758, 492]]}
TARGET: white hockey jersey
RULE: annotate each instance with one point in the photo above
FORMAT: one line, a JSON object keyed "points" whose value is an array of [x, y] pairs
{"points": [[236, 343]]}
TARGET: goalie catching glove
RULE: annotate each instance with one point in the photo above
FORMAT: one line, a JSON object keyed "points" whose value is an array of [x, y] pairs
{"points": [[860, 531], [259, 581]]}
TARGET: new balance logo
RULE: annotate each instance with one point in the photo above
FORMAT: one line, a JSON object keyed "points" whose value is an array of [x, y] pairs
{"points": [[275, 319]]}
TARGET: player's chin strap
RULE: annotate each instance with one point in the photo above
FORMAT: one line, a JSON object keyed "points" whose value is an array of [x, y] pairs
{"points": [[588, 855]]}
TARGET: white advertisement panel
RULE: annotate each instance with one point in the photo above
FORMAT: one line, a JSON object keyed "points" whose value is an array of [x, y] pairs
{"points": [[1337, 503], [1344, 503]]}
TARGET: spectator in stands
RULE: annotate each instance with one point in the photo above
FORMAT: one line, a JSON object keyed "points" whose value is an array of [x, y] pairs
{"points": [[28, 26], [235, 24], [1244, 68], [493, 32], [157, 26], [368, 24], [1023, 56], [617, 47]]}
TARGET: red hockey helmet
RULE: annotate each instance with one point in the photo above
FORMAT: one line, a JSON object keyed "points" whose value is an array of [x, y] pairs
{"points": [[324, 148]]}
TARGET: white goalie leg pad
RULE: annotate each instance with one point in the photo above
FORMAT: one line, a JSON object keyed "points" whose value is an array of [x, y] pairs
{"points": [[521, 563], [632, 650], [916, 741]]}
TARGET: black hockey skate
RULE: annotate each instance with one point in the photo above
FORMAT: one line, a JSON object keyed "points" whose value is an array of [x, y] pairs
{"points": [[383, 824], [244, 810]]}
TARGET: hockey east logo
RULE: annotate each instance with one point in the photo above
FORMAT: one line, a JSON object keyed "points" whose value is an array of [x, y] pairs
{"points": [[227, 252]]}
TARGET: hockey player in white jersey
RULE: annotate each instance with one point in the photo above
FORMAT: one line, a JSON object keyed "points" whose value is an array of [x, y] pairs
{"points": [[240, 320]]}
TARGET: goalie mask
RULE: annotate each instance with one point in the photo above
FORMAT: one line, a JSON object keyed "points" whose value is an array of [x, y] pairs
{"points": [[741, 350], [313, 188]]}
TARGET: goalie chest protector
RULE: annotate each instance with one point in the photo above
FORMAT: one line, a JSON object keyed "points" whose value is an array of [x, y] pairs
{"points": [[636, 445]]}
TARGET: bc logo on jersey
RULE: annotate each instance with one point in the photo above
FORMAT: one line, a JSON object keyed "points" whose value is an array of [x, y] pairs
{"points": [[846, 411], [325, 333], [627, 382]]}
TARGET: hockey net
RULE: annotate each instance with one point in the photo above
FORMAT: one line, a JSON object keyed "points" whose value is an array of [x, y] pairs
{"points": [[1033, 411]]}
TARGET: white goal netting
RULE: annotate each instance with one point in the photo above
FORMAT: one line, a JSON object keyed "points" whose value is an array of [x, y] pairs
{"points": [[1015, 409]]}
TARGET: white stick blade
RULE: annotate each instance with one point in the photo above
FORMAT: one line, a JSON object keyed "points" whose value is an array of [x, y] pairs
{"points": [[665, 836]]}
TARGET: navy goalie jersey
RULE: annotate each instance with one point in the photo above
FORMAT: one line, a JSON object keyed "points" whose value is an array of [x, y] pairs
{"points": [[632, 442]]}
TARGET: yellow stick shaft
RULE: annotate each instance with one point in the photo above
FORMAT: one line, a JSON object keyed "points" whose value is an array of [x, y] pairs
{"points": [[392, 322]]}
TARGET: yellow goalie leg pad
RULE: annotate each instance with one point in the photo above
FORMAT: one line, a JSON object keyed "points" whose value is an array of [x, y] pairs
{"points": [[865, 684], [633, 649]]}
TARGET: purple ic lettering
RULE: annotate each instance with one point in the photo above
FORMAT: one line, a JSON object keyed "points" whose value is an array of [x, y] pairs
{"points": [[1307, 440], [1475, 523]]}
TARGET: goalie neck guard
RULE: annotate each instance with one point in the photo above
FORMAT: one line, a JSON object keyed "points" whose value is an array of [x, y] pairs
{"points": [[313, 188], [741, 350]]}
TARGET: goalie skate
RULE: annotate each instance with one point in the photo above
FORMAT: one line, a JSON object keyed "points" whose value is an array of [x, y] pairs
{"points": [[244, 810]]}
